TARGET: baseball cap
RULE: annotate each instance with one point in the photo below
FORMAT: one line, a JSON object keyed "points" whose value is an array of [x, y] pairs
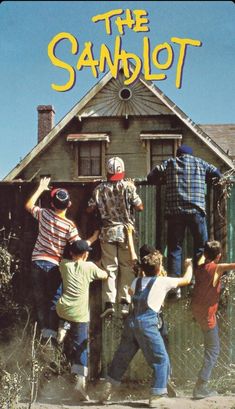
{"points": [[184, 150], [115, 168], [60, 198], [79, 247]]}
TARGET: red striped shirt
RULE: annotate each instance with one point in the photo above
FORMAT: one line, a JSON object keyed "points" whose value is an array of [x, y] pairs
{"points": [[54, 232]]}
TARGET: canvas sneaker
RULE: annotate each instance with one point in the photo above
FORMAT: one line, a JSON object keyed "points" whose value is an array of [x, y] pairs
{"points": [[79, 382], [154, 400], [106, 391], [202, 391], [108, 310]]}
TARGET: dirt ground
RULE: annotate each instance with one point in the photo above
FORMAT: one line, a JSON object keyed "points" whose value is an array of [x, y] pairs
{"points": [[220, 402], [62, 397]]}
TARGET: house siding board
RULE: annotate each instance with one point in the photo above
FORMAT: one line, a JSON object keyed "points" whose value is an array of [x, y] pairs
{"points": [[58, 159], [200, 150]]}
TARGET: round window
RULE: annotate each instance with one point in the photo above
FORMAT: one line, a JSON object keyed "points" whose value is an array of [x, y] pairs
{"points": [[125, 94]]}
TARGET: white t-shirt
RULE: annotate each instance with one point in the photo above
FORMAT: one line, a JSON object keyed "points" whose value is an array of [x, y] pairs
{"points": [[159, 289]]}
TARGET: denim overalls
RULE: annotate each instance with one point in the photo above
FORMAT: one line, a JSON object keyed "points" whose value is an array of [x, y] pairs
{"points": [[141, 331]]}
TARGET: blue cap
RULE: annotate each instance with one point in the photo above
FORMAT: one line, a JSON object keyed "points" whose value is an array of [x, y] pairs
{"points": [[79, 247], [184, 150]]}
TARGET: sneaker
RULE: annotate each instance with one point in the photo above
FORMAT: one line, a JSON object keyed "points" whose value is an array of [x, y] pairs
{"points": [[108, 310], [79, 382], [171, 390], [154, 400], [106, 391], [125, 309], [174, 294], [61, 335], [63, 328], [202, 391]]}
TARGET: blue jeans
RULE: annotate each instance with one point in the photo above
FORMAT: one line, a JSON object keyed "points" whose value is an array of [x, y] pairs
{"points": [[175, 237], [211, 352], [79, 332], [142, 332], [46, 279]]}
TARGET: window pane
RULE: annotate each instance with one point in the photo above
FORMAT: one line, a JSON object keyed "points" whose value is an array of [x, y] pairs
{"points": [[84, 149], [95, 149], [167, 148], [160, 150], [85, 168], [95, 166], [89, 157]]}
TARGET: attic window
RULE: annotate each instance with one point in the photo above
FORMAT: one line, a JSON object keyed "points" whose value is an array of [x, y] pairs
{"points": [[89, 151], [89, 159], [125, 94], [159, 146]]}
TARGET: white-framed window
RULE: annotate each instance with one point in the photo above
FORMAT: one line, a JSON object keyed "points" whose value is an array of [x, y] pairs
{"points": [[159, 146], [89, 154]]}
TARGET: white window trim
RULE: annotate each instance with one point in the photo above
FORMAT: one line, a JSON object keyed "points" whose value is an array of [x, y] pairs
{"points": [[88, 137], [148, 136], [77, 138]]}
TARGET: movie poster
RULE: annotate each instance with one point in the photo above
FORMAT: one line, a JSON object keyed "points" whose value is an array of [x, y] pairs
{"points": [[82, 82]]}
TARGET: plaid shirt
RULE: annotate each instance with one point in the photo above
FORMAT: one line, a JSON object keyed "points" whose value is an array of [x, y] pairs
{"points": [[185, 179]]}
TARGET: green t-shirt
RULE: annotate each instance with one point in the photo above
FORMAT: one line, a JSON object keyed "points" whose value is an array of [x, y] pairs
{"points": [[77, 276]]}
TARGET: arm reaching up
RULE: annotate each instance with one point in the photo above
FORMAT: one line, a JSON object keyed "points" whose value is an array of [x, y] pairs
{"points": [[43, 185], [221, 268], [186, 279]]}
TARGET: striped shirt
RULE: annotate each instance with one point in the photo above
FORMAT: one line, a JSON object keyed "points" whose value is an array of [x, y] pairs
{"points": [[185, 179], [54, 232]]}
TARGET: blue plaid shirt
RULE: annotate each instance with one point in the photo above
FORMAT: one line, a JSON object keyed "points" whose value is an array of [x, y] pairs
{"points": [[185, 179]]}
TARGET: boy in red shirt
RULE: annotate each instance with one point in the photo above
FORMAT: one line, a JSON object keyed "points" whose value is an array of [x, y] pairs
{"points": [[205, 302]]}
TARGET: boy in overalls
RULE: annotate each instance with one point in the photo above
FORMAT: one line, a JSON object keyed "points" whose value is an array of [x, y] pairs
{"points": [[141, 329]]}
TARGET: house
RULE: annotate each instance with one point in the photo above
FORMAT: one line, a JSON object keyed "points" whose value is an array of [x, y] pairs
{"points": [[138, 123]]}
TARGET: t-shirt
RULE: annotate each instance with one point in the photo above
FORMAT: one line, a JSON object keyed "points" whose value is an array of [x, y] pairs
{"points": [[205, 298], [115, 202], [73, 305], [53, 234], [158, 292]]}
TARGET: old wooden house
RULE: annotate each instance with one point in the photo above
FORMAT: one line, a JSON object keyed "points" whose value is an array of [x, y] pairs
{"points": [[142, 126]]}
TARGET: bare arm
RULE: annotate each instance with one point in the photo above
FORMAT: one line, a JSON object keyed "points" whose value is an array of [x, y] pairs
{"points": [[221, 268], [94, 237], [43, 185], [139, 207], [186, 279], [90, 209]]}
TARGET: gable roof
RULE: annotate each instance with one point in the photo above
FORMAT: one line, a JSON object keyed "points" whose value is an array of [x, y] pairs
{"points": [[86, 102], [223, 135]]}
